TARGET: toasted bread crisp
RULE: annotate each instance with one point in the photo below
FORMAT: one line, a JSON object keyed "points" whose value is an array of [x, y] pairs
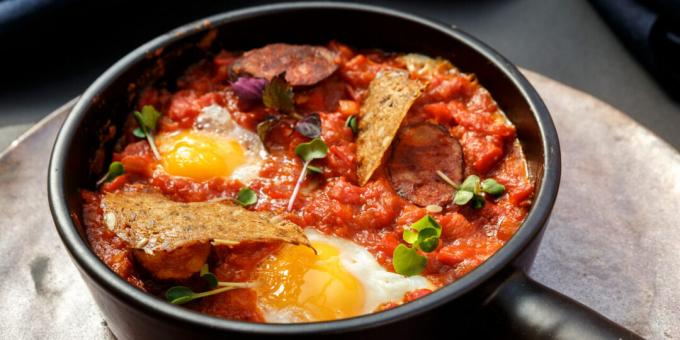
{"points": [[390, 96], [150, 222], [423, 66]]}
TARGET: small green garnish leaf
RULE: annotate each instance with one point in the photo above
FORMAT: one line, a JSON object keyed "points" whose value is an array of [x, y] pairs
{"points": [[462, 197], [427, 222], [428, 240], [314, 149], [246, 196], [208, 276], [410, 236], [278, 94], [139, 133], [179, 295], [148, 119], [423, 234], [115, 169], [351, 123], [491, 187], [471, 184], [478, 201], [264, 127], [406, 261], [316, 169]]}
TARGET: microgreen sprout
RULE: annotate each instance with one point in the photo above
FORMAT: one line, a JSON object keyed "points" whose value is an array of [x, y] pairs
{"points": [[249, 89], [309, 126], [473, 190], [148, 119], [115, 169], [278, 94], [423, 235], [180, 294], [351, 123], [314, 149], [264, 127], [246, 196], [491, 187]]}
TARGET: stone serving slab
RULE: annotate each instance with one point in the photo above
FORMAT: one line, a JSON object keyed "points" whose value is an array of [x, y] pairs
{"points": [[613, 242]]}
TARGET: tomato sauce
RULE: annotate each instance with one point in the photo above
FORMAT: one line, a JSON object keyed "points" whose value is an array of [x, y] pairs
{"points": [[373, 216]]}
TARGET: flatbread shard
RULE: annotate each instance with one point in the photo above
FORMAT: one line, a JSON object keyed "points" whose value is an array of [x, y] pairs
{"points": [[390, 96], [150, 221], [304, 64]]}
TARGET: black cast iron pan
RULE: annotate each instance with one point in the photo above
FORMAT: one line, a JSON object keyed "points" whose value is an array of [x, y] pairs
{"points": [[495, 300]]}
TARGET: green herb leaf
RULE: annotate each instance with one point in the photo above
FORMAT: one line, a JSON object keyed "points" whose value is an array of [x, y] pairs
{"points": [[115, 169], [410, 235], [427, 222], [428, 240], [179, 295], [139, 133], [246, 196], [278, 94], [471, 184], [478, 201], [406, 261], [264, 127], [314, 149], [462, 197], [491, 187], [423, 234], [208, 276], [316, 169], [351, 123], [147, 118]]}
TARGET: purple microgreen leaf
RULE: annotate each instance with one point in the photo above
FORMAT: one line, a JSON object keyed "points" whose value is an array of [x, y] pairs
{"points": [[309, 126], [249, 89]]}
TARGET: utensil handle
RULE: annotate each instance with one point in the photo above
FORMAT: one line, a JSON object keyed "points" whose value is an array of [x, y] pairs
{"points": [[526, 309]]}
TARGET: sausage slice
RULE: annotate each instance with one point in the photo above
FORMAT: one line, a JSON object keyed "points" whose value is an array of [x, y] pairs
{"points": [[421, 150], [303, 64]]}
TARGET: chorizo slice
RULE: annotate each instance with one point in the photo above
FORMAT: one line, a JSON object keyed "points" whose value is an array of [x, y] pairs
{"points": [[179, 263], [303, 64], [421, 150]]}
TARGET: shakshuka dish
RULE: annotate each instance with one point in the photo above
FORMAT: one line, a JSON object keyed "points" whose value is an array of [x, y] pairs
{"points": [[299, 183]]}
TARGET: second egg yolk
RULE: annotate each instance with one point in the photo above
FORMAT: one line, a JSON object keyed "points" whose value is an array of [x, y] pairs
{"points": [[309, 287], [200, 156]]}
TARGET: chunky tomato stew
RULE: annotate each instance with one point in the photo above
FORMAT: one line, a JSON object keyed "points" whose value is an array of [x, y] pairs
{"points": [[296, 183]]}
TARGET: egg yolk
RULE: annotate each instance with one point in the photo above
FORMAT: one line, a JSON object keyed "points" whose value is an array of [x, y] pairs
{"points": [[307, 286], [200, 156]]}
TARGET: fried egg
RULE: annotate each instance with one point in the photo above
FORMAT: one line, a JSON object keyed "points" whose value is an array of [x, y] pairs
{"points": [[216, 147], [342, 280]]}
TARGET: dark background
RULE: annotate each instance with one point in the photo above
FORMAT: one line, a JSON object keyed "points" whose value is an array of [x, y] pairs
{"points": [[52, 55]]}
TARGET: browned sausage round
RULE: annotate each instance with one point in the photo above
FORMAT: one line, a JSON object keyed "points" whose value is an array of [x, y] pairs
{"points": [[419, 151], [177, 264], [303, 64]]}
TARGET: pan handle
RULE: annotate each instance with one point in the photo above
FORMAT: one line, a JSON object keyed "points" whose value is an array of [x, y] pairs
{"points": [[525, 309]]}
